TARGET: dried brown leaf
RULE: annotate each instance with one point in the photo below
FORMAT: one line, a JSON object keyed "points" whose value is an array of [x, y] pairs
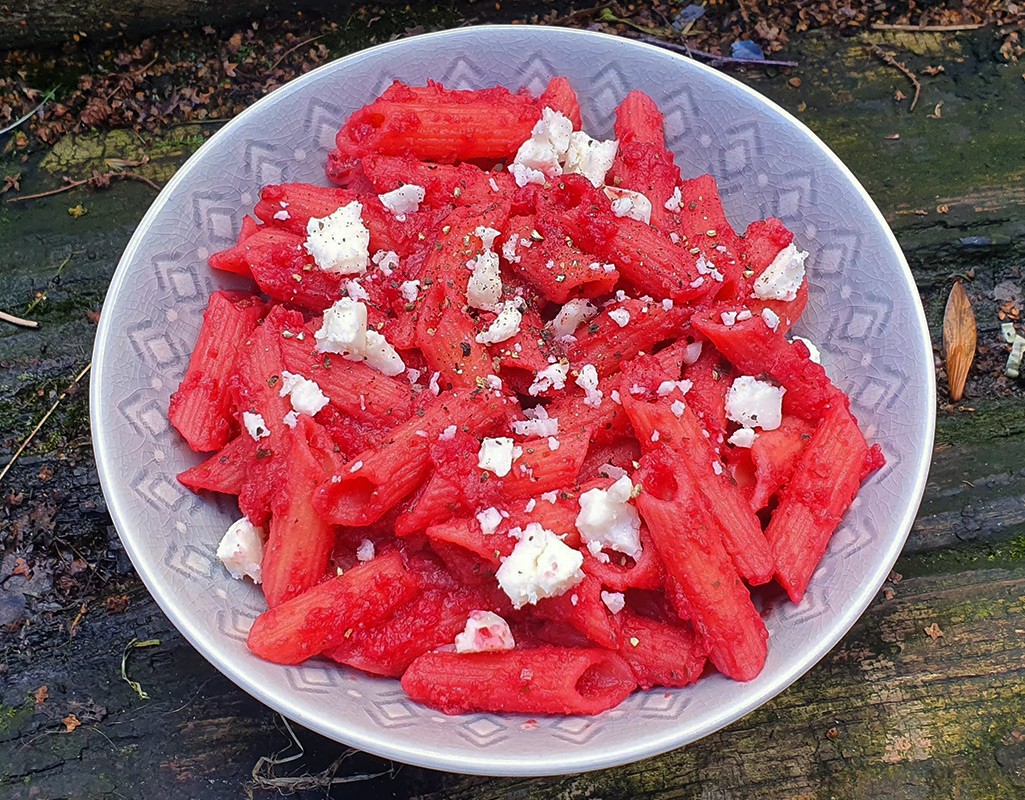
{"points": [[70, 723], [960, 335]]}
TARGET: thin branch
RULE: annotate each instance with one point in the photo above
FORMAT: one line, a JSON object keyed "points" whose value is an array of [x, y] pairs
{"points": [[67, 187], [888, 59], [263, 772], [882, 26], [712, 58], [21, 323], [291, 50], [46, 416]]}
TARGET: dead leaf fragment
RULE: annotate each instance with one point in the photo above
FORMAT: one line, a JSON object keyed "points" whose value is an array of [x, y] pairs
{"points": [[959, 339], [933, 632], [892, 136], [930, 70], [937, 112], [942, 208], [21, 568], [70, 723], [41, 694], [795, 82], [78, 211]]}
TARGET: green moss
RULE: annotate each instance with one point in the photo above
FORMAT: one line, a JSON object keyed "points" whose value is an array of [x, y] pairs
{"points": [[987, 555]]}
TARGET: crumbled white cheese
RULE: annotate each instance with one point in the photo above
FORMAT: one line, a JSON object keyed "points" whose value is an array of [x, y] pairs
{"points": [[523, 174], [729, 318], [771, 318], [743, 437], [553, 443], [355, 291], [241, 550], [783, 277], [541, 565], [614, 601], [551, 377], [489, 519], [282, 215], [630, 204], [304, 394], [340, 242], [589, 157], [344, 328], [677, 407], [813, 352], [485, 632], [291, 419], [380, 355], [668, 387], [410, 290], [612, 471], [496, 455], [537, 423], [386, 260], [706, 267], [675, 202], [448, 434], [620, 316], [509, 249], [607, 518], [344, 331], [743, 314], [754, 403], [545, 150], [484, 289], [587, 380], [505, 326], [404, 200], [255, 425], [571, 315], [691, 353], [365, 551], [487, 236], [494, 383]]}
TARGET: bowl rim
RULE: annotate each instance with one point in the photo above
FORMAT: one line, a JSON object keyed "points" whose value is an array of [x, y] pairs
{"points": [[378, 741]]}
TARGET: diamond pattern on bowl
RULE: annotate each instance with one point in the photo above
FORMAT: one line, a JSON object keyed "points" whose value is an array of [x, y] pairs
{"points": [[863, 312], [483, 731]]}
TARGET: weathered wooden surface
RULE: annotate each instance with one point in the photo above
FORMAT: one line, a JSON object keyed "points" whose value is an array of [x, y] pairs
{"points": [[889, 713]]}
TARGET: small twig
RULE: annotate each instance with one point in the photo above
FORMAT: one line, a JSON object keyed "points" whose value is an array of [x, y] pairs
{"points": [[291, 50], [712, 58], [46, 99], [46, 416], [882, 26], [889, 60], [124, 664], [132, 74], [21, 323], [321, 780], [67, 187]]}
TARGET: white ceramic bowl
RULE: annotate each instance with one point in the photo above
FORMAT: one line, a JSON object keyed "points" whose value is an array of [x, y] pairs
{"points": [[864, 313]]}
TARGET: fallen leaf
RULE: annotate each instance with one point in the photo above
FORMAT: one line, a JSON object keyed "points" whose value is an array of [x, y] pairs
{"points": [[802, 107], [78, 211], [933, 632], [116, 604], [959, 339], [889, 594], [899, 95], [937, 112], [892, 136], [70, 723], [21, 568], [41, 694], [943, 208], [833, 734], [795, 82], [933, 70]]}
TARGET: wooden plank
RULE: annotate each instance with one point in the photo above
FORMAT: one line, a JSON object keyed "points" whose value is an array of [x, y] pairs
{"points": [[909, 715]]}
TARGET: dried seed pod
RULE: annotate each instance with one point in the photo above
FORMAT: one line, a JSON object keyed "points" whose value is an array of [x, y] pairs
{"points": [[959, 339]]}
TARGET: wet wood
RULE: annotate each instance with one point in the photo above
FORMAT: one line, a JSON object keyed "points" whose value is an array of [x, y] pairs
{"points": [[889, 713]]}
